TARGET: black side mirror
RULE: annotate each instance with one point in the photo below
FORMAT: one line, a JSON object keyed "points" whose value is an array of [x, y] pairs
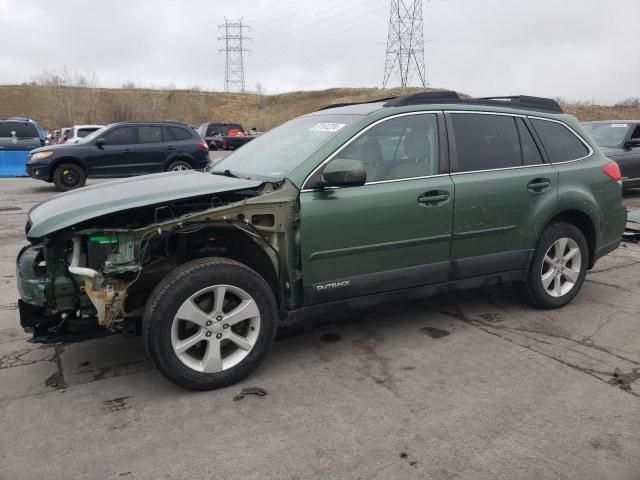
{"points": [[632, 143], [343, 172], [100, 142]]}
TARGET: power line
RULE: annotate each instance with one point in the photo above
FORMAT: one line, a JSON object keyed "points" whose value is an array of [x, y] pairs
{"points": [[234, 49], [405, 44]]}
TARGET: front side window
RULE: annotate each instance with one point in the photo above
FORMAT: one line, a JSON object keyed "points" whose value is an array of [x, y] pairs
{"points": [[150, 134], [399, 148], [485, 142], [559, 142], [121, 136]]}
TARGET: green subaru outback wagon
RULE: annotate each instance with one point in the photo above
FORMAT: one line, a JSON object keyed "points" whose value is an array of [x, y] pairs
{"points": [[345, 207]]}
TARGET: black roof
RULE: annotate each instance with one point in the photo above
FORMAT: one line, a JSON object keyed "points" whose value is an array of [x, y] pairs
{"points": [[524, 102]]}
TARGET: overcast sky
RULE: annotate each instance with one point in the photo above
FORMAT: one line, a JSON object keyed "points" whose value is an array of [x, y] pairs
{"points": [[577, 49]]}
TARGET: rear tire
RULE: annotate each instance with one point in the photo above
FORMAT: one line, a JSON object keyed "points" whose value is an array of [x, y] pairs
{"points": [[209, 323], [69, 176], [558, 268], [178, 166]]}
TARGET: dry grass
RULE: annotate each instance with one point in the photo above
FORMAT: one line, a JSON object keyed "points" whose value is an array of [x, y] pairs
{"points": [[56, 106]]}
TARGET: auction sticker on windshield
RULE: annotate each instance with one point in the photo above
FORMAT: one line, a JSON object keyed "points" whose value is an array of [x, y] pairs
{"points": [[620, 125], [327, 127]]}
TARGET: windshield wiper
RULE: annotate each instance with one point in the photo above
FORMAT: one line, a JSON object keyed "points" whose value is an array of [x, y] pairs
{"points": [[226, 173]]}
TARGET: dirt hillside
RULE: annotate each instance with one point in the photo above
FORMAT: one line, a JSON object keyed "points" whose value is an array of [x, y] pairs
{"points": [[56, 106]]}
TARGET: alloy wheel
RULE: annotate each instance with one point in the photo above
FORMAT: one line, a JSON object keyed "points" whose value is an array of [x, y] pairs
{"points": [[215, 328], [561, 267], [179, 168]]}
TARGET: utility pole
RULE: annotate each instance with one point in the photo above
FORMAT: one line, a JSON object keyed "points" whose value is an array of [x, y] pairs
{"points": [[405, 44], [234, 48]]}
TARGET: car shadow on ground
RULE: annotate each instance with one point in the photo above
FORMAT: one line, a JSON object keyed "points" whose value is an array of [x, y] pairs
{"points": [[120, 355]]}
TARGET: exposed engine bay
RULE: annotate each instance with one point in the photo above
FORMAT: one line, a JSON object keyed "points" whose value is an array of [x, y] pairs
{"points": [[93, 278]]}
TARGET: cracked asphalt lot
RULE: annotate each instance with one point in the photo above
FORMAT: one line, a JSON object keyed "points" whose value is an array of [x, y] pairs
{"points": [[473, 385]]}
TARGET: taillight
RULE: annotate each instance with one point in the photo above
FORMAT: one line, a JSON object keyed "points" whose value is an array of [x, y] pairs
{"points": [[203, 146], [612, 170]]}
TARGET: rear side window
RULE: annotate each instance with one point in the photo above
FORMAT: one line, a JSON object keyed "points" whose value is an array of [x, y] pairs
{"points": [[150, 134], [559, 142], [530, 153], [485, 142], [180, 133], [22, 129]]}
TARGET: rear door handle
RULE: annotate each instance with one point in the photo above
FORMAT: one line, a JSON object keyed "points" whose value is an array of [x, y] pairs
{"points": [[432, 198], [128, 150], [538, 185], [171, 147]]}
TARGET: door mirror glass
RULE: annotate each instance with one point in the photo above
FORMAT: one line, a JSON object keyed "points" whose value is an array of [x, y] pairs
{"points": [[100, 142], [343, 172]]}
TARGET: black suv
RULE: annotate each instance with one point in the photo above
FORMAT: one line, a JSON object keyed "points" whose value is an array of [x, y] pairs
{"points": [[120, 150]]}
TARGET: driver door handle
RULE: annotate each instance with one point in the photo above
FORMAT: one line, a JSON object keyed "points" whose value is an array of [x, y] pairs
{"points": [[539, 185], [433, 197]]}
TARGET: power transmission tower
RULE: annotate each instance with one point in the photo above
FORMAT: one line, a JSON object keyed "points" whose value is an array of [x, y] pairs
{"points": [[234, 48], [405, 44]]}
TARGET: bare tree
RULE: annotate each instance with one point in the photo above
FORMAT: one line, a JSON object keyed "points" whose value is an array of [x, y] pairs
{"points": [[632, 102]]}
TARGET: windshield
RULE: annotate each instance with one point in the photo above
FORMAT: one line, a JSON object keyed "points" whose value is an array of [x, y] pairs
{"points": [[93, 135], [279, 151], [607, 134]]}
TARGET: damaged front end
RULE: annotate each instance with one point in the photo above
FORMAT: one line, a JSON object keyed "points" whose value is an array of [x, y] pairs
{"points": [[93, 278], [66, 288]]}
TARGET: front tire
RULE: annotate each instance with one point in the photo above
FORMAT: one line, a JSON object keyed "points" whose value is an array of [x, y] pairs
{"points": [[209, 323], [558, 268], [69, 176]]}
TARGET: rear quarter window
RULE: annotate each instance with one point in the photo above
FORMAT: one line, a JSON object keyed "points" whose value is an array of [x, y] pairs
{"points": [[561, 144], [180, 133]]}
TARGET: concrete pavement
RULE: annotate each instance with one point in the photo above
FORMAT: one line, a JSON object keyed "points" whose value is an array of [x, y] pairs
{"points": [[473, 385]]}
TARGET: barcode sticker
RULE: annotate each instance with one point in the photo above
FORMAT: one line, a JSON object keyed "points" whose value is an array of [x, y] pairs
{"points": [[327, 127]]}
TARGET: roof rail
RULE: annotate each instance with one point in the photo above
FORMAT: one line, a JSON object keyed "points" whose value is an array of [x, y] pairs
{"points": [[336, 105], [525, 101], [518, 101], [421, 98]]}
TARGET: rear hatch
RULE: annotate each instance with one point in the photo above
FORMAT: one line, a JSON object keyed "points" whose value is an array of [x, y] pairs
{"points": [[18, 136]]}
